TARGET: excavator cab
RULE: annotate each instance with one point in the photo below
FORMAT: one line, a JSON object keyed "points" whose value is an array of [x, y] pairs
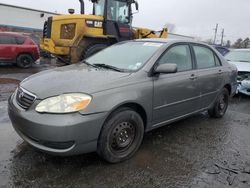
{"points": [[117, 16]]}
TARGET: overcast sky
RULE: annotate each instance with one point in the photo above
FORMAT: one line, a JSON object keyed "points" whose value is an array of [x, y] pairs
{"points": [[190, 17]]}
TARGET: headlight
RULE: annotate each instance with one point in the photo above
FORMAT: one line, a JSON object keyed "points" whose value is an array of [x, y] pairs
{"points": [[68, 31], [66, 103]]}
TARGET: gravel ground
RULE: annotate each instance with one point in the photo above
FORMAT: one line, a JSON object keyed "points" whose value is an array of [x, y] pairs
{"points": [[196, 152]]}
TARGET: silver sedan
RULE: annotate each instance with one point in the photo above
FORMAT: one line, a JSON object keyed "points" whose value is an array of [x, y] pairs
{"points": [[107, 102]]}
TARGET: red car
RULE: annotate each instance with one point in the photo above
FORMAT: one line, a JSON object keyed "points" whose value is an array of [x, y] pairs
{"points": [[18, 48]]}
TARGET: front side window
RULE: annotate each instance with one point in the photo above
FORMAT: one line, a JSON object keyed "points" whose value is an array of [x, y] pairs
{"points": [[179, 55], [118, 11], [204, 57], [20, 40], [127, 56]]}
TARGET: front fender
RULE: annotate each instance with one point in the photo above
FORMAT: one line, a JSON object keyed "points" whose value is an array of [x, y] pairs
{"points": [[109, 100]]}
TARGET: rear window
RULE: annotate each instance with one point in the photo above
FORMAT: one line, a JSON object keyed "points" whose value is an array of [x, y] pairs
{"points": [[7, 39]]}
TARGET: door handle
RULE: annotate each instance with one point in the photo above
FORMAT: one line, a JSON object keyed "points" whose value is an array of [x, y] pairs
{"points": [[193, 77], [220, 71]]}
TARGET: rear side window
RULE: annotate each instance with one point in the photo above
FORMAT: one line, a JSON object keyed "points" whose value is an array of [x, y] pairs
{"points": [[179, 55], [7, 39], [204, 57]]}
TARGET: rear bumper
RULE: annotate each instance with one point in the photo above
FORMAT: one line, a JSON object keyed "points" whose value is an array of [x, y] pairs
{"points": [[48, 45], [67, 134]]}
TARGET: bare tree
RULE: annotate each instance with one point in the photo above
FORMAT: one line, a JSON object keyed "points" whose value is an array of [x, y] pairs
{"points": [[245, 43], [238, 43]]}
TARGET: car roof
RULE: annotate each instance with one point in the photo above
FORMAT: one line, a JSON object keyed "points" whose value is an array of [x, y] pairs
{"points": [[170, 41], [12, 34]]}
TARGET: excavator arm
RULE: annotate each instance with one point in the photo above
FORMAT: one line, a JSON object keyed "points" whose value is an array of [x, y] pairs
{"points": [[139, 33]]}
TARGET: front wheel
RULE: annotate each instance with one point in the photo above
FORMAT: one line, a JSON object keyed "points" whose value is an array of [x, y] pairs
{"points": [[121, 136], [221, 104], [24, 61]]}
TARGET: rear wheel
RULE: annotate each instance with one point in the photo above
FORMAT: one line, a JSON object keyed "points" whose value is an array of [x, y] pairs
{"points": [[92, 49], [24, 61], [221, 104], [121, 136]]}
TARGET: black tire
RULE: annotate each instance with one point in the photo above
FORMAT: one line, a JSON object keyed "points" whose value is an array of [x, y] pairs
{"points": [[92, 49], [121, 136], [221, 104], [24, 61]]}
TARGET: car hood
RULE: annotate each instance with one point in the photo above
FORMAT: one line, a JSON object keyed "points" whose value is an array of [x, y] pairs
{"points": [[241, 66], [73, 78]]}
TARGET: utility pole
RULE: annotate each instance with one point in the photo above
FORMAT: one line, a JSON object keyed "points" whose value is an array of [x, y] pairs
{"points": [[222, 37], [215, 34]]}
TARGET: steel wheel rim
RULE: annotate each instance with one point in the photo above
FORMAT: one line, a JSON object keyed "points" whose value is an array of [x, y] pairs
{"points": [[25, 61], [122, 137], [222, 103]]}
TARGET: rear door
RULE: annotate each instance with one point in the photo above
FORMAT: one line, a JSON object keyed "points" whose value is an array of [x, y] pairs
{"points": [[210, 74], [177, 94], [117, 22], [7, 48]]}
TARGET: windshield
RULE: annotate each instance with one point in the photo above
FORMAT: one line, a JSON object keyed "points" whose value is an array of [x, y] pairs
{"points": [[129, 56], [118, 11], [242, 56]]}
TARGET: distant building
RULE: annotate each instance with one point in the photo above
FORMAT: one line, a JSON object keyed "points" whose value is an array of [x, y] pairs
{"points": [[21, 19], [177, 36]]}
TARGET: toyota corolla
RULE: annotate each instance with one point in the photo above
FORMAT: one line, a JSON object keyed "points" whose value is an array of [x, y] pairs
{"points": [[107, 102]]}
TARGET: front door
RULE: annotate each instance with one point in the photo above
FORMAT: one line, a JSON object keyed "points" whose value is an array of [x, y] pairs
{"points": [[175, 95], [117, 22]]}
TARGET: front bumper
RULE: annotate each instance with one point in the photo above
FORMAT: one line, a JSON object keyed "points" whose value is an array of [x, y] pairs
{"points": [[244, 87], [59, 134]]}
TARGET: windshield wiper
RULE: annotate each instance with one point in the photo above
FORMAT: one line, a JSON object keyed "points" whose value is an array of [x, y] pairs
{"points": [[87, 63], [244, 61], [109, 67]]}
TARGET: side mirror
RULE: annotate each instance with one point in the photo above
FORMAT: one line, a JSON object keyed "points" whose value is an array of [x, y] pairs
{"points": [[166, 68]]}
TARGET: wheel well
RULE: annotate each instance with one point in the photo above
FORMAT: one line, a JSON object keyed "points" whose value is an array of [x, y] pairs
{"points": [[228, 87], [136, 107]]}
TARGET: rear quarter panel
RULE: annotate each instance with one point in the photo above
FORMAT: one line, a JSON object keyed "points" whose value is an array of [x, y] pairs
{"points": [[29, 47]]}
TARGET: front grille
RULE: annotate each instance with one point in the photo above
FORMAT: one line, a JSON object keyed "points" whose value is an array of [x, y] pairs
{"points": [[24, 98], [242, 76], [47, 28]]}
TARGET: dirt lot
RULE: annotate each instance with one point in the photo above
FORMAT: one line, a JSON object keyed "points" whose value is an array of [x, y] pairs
{"points": [[196, 152]]}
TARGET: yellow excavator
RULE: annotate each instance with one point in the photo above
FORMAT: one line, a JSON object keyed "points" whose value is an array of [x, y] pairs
{"points": [[74, 37]]}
